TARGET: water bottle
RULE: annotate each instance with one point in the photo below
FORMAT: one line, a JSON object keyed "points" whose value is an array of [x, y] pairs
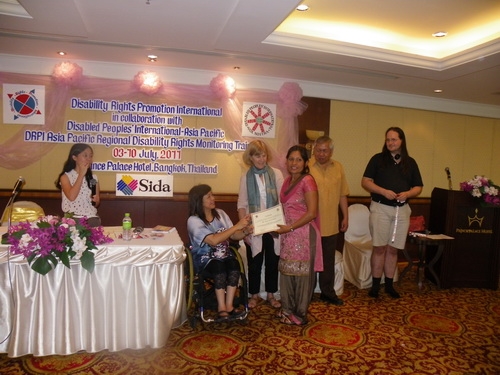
{"points": [[127, 227]]}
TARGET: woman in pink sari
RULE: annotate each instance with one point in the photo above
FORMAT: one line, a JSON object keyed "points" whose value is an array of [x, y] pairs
{"points": [[301, 254]]}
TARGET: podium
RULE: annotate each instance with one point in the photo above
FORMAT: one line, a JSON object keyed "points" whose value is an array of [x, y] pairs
{"points": [[472, 260]]}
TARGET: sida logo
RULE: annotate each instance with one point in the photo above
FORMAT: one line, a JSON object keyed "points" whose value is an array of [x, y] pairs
{"points": [[24, 104], [126, 185], [258, 120], [155, 185]]}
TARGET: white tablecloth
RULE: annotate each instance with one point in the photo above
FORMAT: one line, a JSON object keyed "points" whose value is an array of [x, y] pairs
{"points": [[134, 297]]}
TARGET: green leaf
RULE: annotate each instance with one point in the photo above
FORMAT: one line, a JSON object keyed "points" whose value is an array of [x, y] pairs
{"points": [[87, 260], [31, 257], [18, 234], [64, 257], [41, 265], [53, 260], [43, 224]]}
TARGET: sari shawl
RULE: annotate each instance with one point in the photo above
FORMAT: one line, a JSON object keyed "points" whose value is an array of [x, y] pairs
{"points": [[296, 247]]}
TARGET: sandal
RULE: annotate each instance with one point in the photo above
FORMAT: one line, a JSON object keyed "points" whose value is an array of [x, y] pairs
{"points": [[274, 302], [222, 315], [285, 319], [296, 320], [235, 314], [280, 314], [254, 301], [292, 320]]}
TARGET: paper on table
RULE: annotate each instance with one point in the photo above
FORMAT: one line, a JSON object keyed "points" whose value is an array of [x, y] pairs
{"points": [[439, 237], [162, 229], [266, 221]]}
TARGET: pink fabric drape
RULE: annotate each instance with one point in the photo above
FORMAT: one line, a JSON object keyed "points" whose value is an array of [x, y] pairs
{"points": [[14, 153]]}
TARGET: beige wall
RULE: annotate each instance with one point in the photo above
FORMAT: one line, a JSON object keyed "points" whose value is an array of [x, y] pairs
{"points": [[468, 145]]}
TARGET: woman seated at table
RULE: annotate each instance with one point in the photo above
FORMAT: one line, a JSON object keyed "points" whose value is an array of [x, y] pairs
{"points": [[210, 230]]}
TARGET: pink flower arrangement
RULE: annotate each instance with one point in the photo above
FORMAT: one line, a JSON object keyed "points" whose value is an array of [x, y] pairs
{"points": [[147, 82], [52, 239], [290, 94], [223, 87], [482, 187], [67, 73]]}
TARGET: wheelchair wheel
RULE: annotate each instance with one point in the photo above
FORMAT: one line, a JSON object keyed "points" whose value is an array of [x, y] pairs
{"points": [[189, 288], [200, 294]]}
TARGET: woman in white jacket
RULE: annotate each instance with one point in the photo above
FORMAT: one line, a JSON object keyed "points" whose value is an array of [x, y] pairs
{"points": [[259, 189]]}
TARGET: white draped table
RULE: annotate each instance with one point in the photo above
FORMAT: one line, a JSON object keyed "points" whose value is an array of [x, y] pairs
{"points": [[134, 297]]}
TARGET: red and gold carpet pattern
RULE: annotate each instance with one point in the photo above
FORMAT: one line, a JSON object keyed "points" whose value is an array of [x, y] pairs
{"points": [[435, 332]]}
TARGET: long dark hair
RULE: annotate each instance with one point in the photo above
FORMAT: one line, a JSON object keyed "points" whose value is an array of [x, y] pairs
{"points": [[195, 198], [303, 154], [70, 163], [386, 154]]}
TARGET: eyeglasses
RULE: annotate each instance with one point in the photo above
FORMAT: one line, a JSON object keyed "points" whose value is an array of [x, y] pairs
{"points": [[322, 150]]}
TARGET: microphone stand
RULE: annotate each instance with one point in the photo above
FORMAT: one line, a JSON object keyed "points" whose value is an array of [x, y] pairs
{"points": [[17, 188]]}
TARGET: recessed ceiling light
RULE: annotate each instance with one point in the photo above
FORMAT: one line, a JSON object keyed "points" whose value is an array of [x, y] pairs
{"points": [[438, 91], [61, 53], [302, 7], [439, 34], [152, 58]]}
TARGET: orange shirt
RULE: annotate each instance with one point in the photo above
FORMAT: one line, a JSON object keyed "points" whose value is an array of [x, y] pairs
{"points": [[332, 184]]}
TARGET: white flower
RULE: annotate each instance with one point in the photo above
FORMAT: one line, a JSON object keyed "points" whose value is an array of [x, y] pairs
{"points": [[491, 190], [79, 244], [25, 240], [476, 193]]}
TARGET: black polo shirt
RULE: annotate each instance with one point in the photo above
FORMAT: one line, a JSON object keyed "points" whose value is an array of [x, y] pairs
{"points": [[390, 176]]}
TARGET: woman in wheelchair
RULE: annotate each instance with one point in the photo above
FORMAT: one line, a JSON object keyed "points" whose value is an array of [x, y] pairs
{"points": [[210, 230]]}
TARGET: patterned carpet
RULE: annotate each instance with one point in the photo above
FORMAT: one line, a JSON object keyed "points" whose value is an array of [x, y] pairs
{"points": [[438, 332]]}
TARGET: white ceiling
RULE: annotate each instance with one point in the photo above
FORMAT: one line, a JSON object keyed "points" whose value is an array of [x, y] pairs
{"points": [[374, 44]]}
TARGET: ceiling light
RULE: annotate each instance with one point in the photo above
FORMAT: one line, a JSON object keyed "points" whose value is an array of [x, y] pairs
{"points": [[61, 53], [439, 34], [152, 58], [438, 91], [302, 7]]}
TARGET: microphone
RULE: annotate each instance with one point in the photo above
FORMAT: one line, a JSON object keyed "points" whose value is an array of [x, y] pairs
{"points": [[448, 175], [8, 208], [93, 187], [18, 186]]}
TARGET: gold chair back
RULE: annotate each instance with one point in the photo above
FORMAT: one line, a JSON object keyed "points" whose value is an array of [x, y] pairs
{"points": [[24, 211]]}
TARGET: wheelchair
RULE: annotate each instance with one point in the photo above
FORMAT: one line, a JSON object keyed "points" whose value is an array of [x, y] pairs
{"points": [[201, 301]]}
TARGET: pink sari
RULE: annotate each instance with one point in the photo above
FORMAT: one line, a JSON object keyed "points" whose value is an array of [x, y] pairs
{"points": [[295, 255]]}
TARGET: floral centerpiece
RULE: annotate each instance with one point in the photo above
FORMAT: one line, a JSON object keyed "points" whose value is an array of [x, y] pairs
{"points": [[483, 188], [52, 239]]}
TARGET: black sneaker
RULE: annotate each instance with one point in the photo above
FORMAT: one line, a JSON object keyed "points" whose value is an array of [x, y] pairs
{"points": [[334, 301]]}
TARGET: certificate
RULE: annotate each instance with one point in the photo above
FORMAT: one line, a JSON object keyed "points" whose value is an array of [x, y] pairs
{"points": [[267, 220]]}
